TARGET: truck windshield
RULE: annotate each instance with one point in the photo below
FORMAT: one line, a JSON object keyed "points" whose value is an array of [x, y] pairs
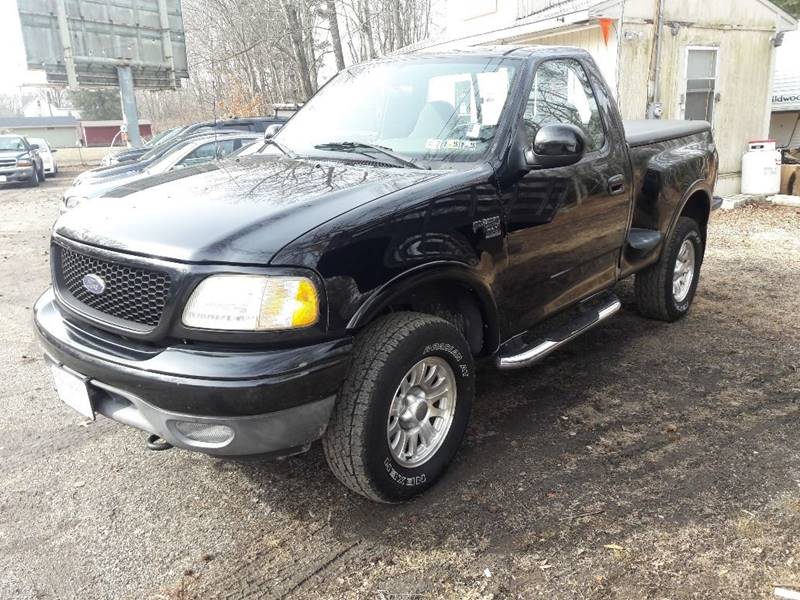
{"points": [[429, 109], [11, 143]]}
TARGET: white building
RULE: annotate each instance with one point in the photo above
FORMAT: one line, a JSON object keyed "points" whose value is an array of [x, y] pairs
{"points": [[42, 107], [683, 58], [785, 124]]}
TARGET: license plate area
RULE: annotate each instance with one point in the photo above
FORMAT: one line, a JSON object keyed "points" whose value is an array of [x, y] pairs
{"points": [[73, 391]]}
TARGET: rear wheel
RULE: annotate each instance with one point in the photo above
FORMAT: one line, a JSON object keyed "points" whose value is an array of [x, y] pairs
{"points": [[403, 408], [666, 289]]}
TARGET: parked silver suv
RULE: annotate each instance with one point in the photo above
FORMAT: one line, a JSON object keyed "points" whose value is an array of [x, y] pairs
{"points": [[20, 160]]}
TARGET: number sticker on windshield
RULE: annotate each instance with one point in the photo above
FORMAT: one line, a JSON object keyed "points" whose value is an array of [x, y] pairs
{"points": [[450, 144]]}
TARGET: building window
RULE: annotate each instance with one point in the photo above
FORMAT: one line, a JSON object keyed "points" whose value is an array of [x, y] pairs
{"points": [[701, 84]]}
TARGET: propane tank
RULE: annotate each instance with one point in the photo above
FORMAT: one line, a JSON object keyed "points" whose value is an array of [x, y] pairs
{"points": [[761, 168]]}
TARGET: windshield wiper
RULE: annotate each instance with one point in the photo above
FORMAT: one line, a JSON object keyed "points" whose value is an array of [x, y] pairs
{"points": [[364, 148]]}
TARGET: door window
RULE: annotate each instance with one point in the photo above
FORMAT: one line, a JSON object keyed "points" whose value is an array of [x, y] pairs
{"points": [[701, 83], [210, 151], [561, 93]]}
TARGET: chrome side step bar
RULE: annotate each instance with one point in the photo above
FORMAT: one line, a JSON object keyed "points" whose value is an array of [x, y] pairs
{"points": [[590, 313]]}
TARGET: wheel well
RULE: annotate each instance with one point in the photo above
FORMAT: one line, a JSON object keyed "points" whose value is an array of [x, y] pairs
{"points": [[697, 207], [452, 302]]}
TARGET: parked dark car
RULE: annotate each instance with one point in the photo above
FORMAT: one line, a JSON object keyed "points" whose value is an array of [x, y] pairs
{"points": [[420, 214], [124, 155], [20, 161], [254, 124]]}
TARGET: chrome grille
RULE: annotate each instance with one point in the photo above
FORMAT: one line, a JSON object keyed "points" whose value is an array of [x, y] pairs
{"points": [[8, 162], [131, 293]]}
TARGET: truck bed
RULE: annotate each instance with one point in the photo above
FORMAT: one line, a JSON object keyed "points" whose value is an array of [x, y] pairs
{"points": [[651, 131]]}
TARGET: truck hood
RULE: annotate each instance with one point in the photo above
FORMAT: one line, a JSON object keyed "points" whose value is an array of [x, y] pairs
{"points": [[112, 171], [103, 186], [12, 153], [239, 212]]}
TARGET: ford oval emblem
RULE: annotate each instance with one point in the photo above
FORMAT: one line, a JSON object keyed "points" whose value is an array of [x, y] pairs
{"points": [[94, 284]]}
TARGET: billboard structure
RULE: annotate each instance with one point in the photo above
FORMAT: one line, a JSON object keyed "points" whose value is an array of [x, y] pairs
{"points": [[107, 43]]}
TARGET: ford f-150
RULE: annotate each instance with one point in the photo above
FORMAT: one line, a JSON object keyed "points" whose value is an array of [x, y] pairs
{"points": [[419, 214]]}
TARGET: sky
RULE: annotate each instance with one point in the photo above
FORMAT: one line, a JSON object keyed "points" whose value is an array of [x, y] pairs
{"points": [[13, 71]]}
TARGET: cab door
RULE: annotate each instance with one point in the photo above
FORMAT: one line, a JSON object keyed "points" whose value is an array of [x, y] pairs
{"points": [[566, 225]]}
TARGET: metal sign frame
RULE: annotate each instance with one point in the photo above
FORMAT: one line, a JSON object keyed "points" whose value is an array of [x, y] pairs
{"points": [[107, 43], [83, 42]]}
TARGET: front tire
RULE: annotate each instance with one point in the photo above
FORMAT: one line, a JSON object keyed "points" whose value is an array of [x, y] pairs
{"points": [[34, 180], [665, 290], [403, 408]]}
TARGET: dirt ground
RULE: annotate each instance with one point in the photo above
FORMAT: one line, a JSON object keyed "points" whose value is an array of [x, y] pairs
{"points": [[645, 460]]}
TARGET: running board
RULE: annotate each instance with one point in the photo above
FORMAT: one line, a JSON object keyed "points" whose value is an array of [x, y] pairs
{"points": [[533, 345]]}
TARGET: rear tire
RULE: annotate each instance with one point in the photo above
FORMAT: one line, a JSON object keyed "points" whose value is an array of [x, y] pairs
{"points": [[665, 290], [403, 408]]}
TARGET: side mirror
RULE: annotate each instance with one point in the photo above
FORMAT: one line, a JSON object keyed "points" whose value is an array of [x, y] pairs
{"points": [[270, 131], [558, 145], [34, 146]]}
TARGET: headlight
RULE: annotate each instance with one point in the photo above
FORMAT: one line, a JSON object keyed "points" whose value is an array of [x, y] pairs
{"points": [[252, 303], [24, 162], [73, 201]]}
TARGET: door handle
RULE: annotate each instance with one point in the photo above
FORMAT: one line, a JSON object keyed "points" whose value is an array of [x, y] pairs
{"points": [[616, 185]]}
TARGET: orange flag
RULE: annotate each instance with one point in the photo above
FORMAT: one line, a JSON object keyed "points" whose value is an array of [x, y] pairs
{"points": [[605, 27]]}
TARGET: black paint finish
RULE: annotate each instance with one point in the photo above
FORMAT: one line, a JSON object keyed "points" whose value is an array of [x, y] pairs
{"points": [[518, 243]]}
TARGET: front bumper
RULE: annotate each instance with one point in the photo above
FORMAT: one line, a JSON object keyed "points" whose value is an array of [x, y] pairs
{"points": [[268, 401], [17, 174]]}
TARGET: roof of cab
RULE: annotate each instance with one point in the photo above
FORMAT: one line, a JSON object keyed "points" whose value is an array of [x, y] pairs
{"points": [[499, 51]]}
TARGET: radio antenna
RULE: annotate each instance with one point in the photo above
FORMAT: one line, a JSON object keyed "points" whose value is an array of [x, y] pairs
{"points": [[214, 91]]}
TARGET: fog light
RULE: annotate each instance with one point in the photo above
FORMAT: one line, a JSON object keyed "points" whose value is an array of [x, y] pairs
{"points": [[205, 433]]}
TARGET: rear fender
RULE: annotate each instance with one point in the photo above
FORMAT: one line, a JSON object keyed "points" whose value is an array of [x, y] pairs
{"points": [[697, 186]]}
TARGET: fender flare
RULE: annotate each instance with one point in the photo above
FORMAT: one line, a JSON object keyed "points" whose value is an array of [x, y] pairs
{"points": [[441, 271], [698, 186]]}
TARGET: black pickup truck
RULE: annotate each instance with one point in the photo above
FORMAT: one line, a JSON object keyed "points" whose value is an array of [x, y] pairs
{"points": [[420, 214]]}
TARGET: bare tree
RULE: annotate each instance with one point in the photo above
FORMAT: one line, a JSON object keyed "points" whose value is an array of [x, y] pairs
{"points": [[300, 45], [336, 39], [247, 55], [10, 105]]}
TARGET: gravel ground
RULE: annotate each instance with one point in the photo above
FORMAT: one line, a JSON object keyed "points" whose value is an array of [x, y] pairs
{"points": [[645, 460]]}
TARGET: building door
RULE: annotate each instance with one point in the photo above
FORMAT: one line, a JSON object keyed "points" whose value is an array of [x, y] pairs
{"points": [[700, 93]]}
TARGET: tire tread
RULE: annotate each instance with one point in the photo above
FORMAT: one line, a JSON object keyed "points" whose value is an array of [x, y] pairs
{"points": [[343, 450], [650, 283]]}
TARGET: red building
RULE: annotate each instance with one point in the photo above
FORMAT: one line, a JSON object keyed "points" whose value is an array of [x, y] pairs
{"points": [[103, 133]]}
